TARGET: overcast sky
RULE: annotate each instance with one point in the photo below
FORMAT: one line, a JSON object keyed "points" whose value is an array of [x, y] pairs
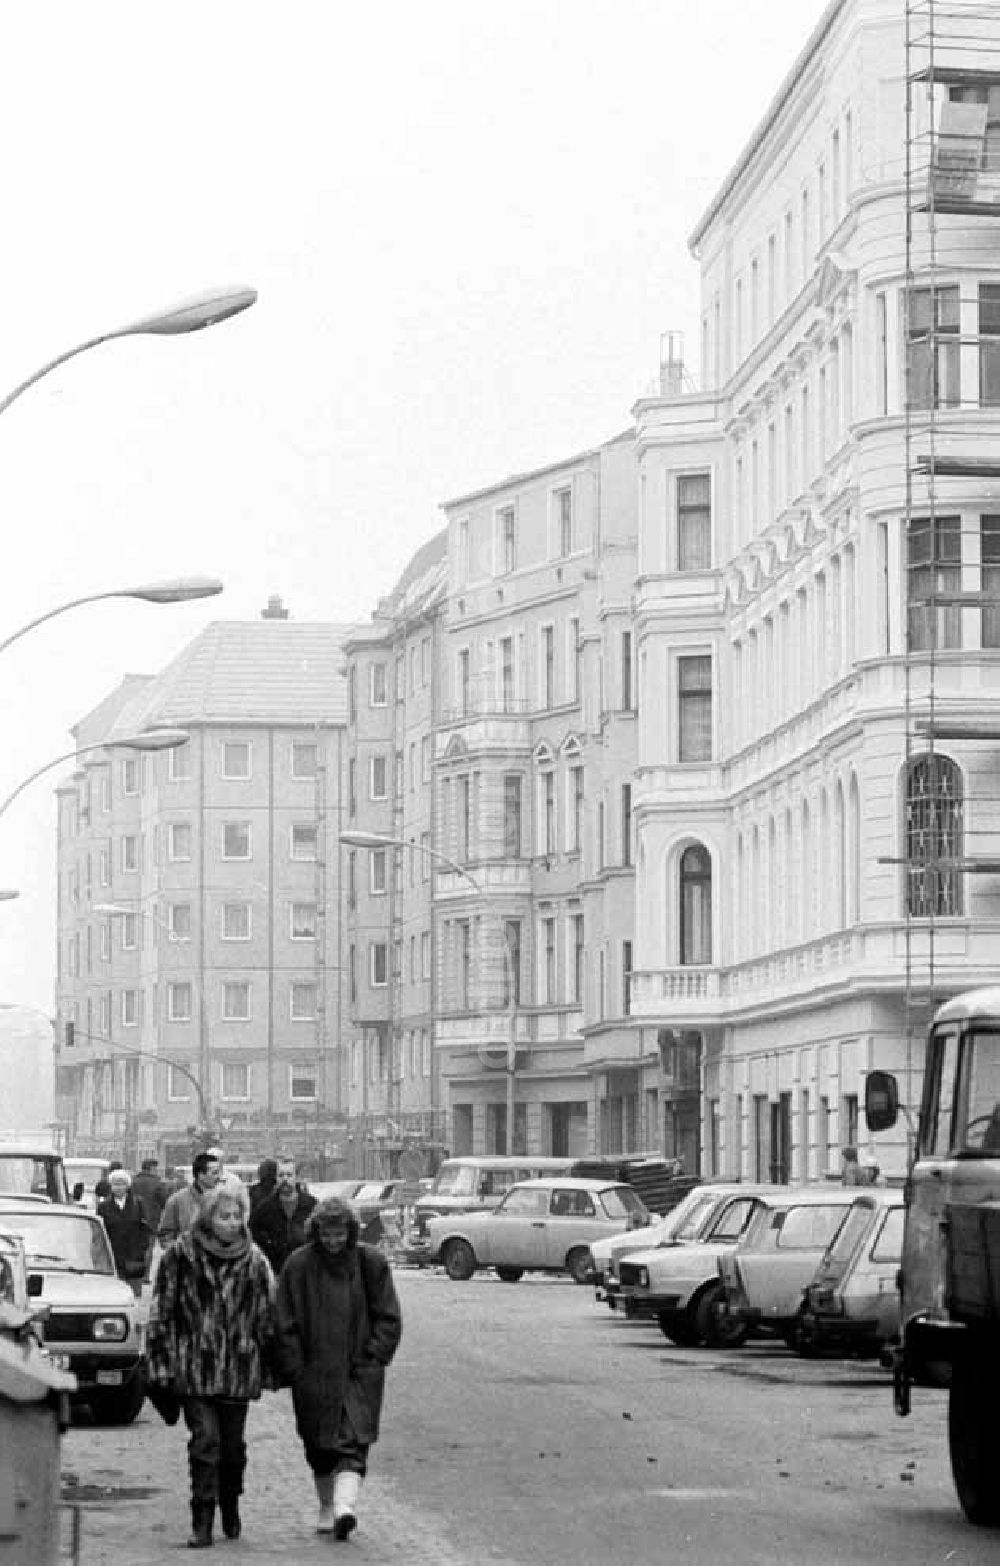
{"points": [[468, 226]]}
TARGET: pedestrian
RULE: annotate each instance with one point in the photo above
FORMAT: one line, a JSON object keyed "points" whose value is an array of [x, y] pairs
{"points": [[181, 1209], [102, 1189], [211, 1332], [279, 1223], [339, 1324], [130, 1234], [267, 1171], [150, 1190]]}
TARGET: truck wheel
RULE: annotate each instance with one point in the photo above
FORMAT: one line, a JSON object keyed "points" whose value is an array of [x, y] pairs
{"points": [[972, 1404], [459, 1261]]}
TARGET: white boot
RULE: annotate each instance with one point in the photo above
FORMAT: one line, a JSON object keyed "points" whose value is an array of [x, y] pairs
{"points": [[324, 1490], [346, 1488]]}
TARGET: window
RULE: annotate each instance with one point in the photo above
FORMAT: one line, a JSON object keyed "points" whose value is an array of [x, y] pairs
{"points": [[576, 811], [178, 1085], [378, 875], [989, 553], [934, 573], [695, 906], [105, 945], [564, 520], [104, 863], [626, 824], [626, 671], [990, 96], [236, 1000], [549, 961], [106, 791], [352, 694], [507, 674], [303, 844], [130, 1008], [512, 815], [130, 774], [236, 840], [548, 666], [234, 1079], [236, 759], [352, 787], [934, 832], [379, 964], [464, 931], [378, 787], [579, 955], [549, 812], [425, 758], [303, 1001], [303, 921], [130, 854], [130, 932], [694, 522], [463, 681], [512, 964], [179, 1001], [105, 1013], [626, 978], [179, 921], [932, 348], [378, 686], [305, 759], [425, 955], [236, 921], [179, 763], [573, 661], [694, 692], [463, 812], [302, 1084], [989, 345], [506, 540]]}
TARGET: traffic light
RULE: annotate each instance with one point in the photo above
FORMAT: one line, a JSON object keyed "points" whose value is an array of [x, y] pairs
{"points": [[69, 1034]]}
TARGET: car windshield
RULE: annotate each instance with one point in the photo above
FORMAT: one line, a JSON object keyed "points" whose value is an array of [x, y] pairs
{"points": [[978, 1118], [732, 1219], [621, 1202], [62, 1239], [455, 1180], [38, 1174], [696, 1216]]}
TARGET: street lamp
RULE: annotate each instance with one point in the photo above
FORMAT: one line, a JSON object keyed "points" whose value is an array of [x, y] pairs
{"points": [[180, 590], [147, 739], [193, 315], [377, 840]]}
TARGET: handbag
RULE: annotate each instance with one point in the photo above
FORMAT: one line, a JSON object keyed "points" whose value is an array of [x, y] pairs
{"points": [[165, 1400]]}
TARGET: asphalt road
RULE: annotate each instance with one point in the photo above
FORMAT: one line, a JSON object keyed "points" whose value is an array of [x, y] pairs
{"points": [[527, 1426]]}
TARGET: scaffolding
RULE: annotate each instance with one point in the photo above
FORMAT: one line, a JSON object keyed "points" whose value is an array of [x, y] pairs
{"points": [[952, 174]]}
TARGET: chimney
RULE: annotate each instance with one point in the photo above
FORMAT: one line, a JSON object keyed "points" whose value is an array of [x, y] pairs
{"points": [[671, 364], [275, 609]]}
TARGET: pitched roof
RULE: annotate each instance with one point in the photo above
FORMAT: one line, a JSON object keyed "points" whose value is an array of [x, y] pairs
{"points": [[254, 671]]}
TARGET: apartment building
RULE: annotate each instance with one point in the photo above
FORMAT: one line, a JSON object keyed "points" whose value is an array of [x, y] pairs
{"points": [[393, 1088], [199, 980], [816, 621]]}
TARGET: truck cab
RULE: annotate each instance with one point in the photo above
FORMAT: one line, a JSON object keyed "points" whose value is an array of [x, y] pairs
{"points": [[950, 1274]]}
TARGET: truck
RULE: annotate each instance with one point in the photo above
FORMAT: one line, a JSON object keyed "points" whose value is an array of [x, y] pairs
{"points": [[949, 1280]]}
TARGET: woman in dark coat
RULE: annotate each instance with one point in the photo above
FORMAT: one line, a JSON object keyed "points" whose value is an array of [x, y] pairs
{"points": [[339, 1324], [211, 1331]]}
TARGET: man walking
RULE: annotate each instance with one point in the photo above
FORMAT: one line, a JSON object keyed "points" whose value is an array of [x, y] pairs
{"points": [[279, 1223], [183, 1207], [150, 1191]]}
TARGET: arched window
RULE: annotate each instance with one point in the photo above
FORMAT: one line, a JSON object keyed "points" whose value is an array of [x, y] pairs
{"points": [[934, 829], [696, 906]]}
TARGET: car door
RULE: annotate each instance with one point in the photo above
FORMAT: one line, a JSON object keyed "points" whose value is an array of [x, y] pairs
{"points": [[513, 1234], [570, 1223]]}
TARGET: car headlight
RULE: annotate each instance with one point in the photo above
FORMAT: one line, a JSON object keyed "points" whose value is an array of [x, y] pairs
{"points": [[109, 1329]]}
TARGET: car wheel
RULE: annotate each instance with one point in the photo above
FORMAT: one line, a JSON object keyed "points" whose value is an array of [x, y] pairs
{"points": [[972, 1438], [715, 1326], [578, 1264], [678, 1327], [459, 1261], [802, 1339], [121, 1405]]}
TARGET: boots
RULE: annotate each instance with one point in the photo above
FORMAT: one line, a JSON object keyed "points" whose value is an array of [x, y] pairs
{"points": [[345, 1498], [229, 1511], [202, 1517], [324, 1492]]}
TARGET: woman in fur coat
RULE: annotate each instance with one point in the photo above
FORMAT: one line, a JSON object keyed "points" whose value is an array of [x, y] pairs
{"points": [[339, 1323], [211, 1330]]}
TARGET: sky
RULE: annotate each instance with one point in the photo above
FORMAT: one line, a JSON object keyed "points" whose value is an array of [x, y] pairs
{"points": [[468, 227]]}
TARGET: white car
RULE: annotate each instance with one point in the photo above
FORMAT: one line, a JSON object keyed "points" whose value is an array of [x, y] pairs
{"points": [[683, 1225], [679, 1285], [541, 1225]]}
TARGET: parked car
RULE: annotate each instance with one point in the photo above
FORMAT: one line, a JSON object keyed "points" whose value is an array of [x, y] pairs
{"points": [[764, 1275], [94, 1325], [467, 1184], [541, 1225], [679, 1284], [684, 1225], [32, 1169], [346, 1189], [852, 1301]]}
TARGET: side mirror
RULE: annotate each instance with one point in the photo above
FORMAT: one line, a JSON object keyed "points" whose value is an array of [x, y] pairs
{"points": [[881, 1100]]}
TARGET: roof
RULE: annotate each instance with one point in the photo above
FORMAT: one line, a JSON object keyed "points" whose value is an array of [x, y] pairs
{"points": [[981, 1003], [774, 108], [242, 672], [536, 473]]}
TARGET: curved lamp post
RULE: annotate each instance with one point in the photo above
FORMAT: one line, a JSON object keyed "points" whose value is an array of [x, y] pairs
{"points": [[377, 840], [148, 739], [192, 315], [179, 590]]}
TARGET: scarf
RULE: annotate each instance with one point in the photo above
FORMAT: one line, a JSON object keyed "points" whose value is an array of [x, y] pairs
{"points": [[206, 1239]]}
